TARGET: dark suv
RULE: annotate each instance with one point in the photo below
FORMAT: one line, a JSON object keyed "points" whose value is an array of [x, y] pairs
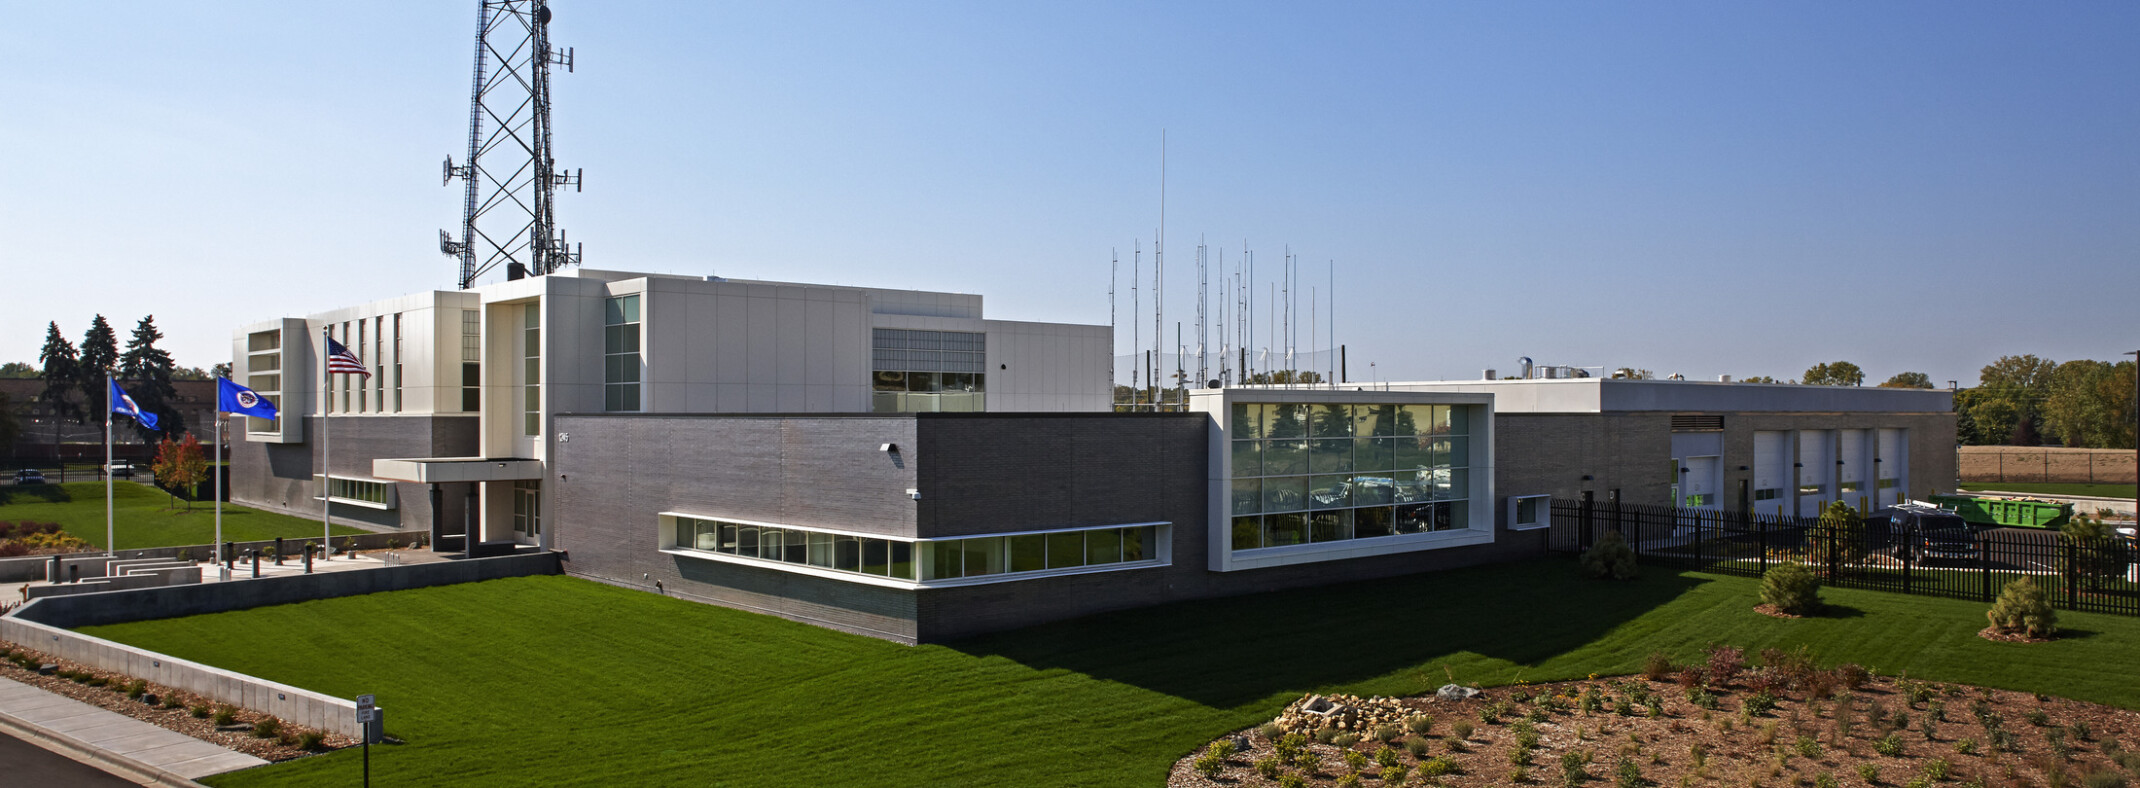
{"points": [[1919, 532]]}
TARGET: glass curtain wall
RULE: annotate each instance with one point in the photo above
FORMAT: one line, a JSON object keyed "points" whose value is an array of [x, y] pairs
{"points": [[978, 556], [1306, 473], [928, 371], [620, 349]]}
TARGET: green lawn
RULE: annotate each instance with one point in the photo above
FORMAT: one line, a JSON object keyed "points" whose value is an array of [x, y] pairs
{"points": [[559, 681], [142, 516], [2092, 490]]}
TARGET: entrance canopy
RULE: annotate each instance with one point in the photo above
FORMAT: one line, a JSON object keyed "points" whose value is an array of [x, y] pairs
{"points": [[435, 470]]}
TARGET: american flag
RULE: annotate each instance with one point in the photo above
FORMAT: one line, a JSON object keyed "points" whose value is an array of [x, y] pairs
{"points": [[341, 361]]}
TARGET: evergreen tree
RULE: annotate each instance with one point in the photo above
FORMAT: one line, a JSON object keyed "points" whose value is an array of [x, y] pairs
{"points": [[147, 371], [60, 365], [100, 351]]}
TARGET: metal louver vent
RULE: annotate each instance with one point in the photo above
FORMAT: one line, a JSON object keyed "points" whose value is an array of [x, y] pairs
{"points": [[1694, 422]]}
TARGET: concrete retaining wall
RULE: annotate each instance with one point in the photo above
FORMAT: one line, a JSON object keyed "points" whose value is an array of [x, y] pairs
{"points": [[45, 624], [2044, 464], [32, 567]]}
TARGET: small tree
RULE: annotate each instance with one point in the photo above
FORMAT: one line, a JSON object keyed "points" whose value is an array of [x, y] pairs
{"points": [[1835, 373], [2023, 606], [1908, 380], [1841, 537], [2094, 554], [179, 466], [1611, 558], [1791, 588]]}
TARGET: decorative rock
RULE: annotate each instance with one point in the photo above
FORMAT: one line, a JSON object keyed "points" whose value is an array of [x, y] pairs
{"points": [[1456, 692]]}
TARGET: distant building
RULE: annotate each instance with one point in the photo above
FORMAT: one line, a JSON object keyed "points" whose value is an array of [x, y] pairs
{"points": [[84, 441]]}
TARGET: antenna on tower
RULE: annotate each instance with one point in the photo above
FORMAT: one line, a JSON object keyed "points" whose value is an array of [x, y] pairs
{"points": [[508, 216]]}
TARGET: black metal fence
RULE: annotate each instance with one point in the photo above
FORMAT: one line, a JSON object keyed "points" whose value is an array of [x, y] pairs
{"points": [[2094, 575]]}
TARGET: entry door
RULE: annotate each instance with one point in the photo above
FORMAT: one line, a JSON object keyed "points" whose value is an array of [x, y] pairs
{"points": [[527, 512], [1702, 486]]}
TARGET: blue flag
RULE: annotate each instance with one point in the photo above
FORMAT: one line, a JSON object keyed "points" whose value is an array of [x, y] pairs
{"points": [[233, 398], [125, 406]]}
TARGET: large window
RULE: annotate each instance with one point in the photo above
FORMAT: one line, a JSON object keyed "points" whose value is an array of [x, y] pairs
{"points": [[397, 362], [1306, 473], [263, 374], [472, 361], [531, 370], [362, 492], [927, 560], [928, 371], [620, 353]]}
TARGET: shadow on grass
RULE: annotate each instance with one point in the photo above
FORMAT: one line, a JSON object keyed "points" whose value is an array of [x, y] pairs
{"points": [[1226, 652], [34, 493], [1833, 610]]}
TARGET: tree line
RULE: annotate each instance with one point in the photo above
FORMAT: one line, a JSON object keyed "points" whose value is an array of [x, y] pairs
{"points": [[74, 387], [2030, 401]]}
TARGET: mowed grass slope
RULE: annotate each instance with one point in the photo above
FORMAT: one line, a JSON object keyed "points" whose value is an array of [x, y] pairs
{"points": [[560, 681], [142, 516]]}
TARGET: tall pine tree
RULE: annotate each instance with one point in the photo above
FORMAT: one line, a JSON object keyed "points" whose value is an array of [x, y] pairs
{"points": [[147, 370], [60, 371], [100, 351]]}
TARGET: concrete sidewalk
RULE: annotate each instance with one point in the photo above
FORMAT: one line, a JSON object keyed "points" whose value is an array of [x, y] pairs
{"points": [[107, 738]]}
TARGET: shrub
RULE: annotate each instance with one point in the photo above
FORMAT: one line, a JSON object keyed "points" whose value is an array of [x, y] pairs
{"points": [[1268, 767], [1825, 780], [1387, 758], [1388, 733], [1689, 678], [226, 714], [199, 711], [2081, 730], [1870, 773], [1349, 781], [172, 701], [1760, 703], [1417, 746], [1355, 760], [1808, 746], [2024, 607], [1292, 781], [1345, 739], [1419, 724], [1937, 769], [1395, 775], [2104, 779], [1453, 743], [1657, 666], [1966, 746], [1270, 731], [1791, 588], [1889, 745], [1437, 766], [1326, 734], [1571, 768], [2037, 718], [1461, 728], [1518, 756], [1853, 675], [136, 688], [1308, 761], [267, 728], [312, 741], [1224, 747], [1724, 664], [1610, 558]]}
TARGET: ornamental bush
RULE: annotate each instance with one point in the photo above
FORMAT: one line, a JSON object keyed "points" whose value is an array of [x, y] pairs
{"points": [[1610, 558], [1791, 588], [2024, 607]]}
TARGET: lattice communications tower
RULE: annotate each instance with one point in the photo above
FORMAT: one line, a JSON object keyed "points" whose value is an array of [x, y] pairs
{"points": [[508, 216]]}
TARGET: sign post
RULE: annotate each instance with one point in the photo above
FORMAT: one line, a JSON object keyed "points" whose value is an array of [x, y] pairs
{"points": [[367, 715]]}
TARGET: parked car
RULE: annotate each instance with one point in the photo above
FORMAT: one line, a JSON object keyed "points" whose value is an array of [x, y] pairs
{"points": [[1920, 531], [121, 469], [29, 476]]}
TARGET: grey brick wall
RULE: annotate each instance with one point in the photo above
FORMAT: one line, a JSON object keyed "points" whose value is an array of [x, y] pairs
{"points": [[278, 476]]}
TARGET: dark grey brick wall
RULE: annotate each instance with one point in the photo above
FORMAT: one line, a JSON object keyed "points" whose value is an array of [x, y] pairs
{"points": [[278, 476], [612, 480]]}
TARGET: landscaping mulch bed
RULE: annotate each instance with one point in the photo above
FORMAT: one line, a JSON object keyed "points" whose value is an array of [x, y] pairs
{"points": [[1632, 731], [112, 696]]}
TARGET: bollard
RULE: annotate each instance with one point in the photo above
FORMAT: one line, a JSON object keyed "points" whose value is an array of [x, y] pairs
{"points": [[308, 559], [278, 551], [74, 573], [52, 575], [255, 555], [230, 555]]}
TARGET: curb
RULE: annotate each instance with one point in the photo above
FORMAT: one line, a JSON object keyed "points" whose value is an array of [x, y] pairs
{"points": [[85, 753]]}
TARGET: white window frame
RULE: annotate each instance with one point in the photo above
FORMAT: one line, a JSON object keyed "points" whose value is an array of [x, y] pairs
{"points": [[393, 497], [1515, 508], [1162, 553]]}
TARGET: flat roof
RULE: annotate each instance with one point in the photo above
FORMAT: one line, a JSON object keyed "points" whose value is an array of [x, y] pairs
{"points": [[1616, 395]]}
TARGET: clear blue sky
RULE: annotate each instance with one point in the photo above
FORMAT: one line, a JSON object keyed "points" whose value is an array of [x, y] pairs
{"points": [[1697, 187]]}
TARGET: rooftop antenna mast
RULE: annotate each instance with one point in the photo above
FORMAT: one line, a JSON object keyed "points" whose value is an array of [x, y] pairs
{"points": [[1114, 265], [1159, 287], [1136, 313], [508, 217], [1203, 286]]}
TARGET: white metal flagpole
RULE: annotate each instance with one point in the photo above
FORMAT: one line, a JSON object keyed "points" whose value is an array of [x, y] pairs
{"points": [[110, 547], [326, 481], [216, 551]]}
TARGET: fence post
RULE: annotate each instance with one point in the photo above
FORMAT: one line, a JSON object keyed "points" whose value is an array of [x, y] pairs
{"points": [[1909, 557], [1587, 522], [2069, 577], [1984, 564], [1763, 530]]}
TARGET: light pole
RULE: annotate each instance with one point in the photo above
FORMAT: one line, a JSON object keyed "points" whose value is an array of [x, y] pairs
{"points": [[2136, 435]]}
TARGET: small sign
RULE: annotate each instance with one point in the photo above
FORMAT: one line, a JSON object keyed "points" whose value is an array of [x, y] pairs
{"points": [[365, 702], [367, 715]]}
